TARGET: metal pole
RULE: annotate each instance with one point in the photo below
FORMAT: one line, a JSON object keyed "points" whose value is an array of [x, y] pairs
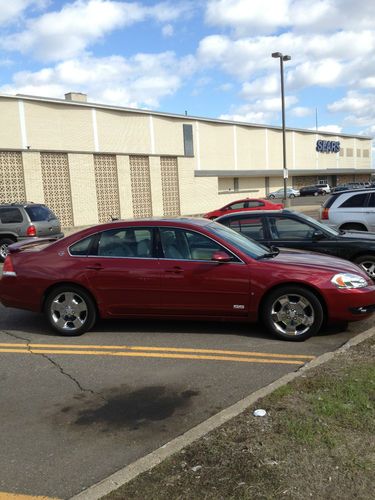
{"points": [[285, 170]]}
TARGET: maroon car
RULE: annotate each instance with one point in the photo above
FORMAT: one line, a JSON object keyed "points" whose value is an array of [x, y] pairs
{"points": [[181, 268], [244, 205]]}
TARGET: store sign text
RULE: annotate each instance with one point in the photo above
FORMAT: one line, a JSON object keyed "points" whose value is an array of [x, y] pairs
{"points": [[327, 146]]}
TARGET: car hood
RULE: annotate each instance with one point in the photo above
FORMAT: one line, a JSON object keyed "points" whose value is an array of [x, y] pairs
{"points": [[313, 260], [358, 235]]}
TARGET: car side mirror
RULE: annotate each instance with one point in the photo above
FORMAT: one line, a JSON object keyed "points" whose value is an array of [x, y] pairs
{"points": [[318, 235], [221, 257]]}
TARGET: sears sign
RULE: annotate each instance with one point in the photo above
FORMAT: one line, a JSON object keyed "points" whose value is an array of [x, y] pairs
{"points": [[327, 146]]}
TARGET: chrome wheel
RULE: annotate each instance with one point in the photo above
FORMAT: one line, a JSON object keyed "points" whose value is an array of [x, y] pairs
{"points": [[293, 312], [292, 315], [70, 310], [3, 251], [368, 266]]}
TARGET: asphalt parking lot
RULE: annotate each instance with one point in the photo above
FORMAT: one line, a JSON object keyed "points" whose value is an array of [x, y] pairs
{"points": [[75, 410]]}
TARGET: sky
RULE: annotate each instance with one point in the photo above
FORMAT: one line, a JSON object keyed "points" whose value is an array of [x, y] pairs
{"points": [[207, 58]]}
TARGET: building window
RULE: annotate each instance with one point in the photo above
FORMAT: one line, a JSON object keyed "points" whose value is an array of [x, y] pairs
{"points": [[188, 139], [366, 153], [349, 152], [236, 184], [358, 153]]}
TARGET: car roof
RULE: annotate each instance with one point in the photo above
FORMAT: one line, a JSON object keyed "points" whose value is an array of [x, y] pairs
{"points": [[355, 190], [21, 204], [254, 213]]}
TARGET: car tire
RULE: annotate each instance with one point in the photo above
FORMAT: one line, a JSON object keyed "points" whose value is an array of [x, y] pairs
{"points": [[291, 195], [70, 310], [4, 243], [292, 313], [271, 196], [316, 193], [367, 263]]}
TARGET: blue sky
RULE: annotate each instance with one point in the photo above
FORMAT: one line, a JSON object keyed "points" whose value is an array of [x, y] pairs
{"points": [[209, 58]]}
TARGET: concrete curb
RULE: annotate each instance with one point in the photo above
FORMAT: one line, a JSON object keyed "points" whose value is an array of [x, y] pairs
{"points": [[146, 463]]}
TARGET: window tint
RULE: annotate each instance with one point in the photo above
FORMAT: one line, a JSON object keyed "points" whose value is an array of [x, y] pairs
{"points": [[355, 201], [255, 203], [371, 202], [10, 215], [39, 213], [126, 242], [81, 247], [289, 229], [236, 206], [252, 227]]}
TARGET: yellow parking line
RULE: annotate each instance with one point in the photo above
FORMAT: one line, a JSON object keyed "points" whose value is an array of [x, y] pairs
{"points": [[154, 355], [165, 349]]}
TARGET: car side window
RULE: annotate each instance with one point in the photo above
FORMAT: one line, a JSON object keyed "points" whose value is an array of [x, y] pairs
{"points": [[126, 242], [236, 206], [10, 215], [371, 201], [290, 229], [187, 245], [252, 227], [355, 201], [82, 247], [254, 204]]}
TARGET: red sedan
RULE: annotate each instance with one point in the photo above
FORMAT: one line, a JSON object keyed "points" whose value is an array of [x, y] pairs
{"points": [[244, 205], [181, 268]]}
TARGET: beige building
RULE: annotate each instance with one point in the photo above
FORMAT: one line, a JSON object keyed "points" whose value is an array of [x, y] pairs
{"points": [[89, 161]]}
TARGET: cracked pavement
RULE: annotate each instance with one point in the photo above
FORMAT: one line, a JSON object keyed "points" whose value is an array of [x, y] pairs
{"points": [[69, 421]]}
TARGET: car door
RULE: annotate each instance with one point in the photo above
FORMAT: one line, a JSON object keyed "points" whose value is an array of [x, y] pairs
{"points": [[123, 273], [370, 212], [235, 207], [193, 284]]}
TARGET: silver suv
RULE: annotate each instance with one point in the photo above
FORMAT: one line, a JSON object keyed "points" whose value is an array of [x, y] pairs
{"points": [[19, 221], [350, 210]]}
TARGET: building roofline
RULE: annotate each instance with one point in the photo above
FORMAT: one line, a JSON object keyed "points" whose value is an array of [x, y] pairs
{"points": [[173, 115]]}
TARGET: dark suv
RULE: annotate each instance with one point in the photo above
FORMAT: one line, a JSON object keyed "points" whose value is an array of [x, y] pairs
{"points": [[19, 221]]}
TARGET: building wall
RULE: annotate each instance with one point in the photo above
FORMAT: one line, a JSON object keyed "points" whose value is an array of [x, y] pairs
{"points": [[154, 143]]}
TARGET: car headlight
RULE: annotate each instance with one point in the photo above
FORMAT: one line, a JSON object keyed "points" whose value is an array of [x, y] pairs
{"points": [[347, 280]]}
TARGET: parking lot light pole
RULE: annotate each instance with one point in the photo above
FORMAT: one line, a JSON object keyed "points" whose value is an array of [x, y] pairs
{"points": [[283, 58]]}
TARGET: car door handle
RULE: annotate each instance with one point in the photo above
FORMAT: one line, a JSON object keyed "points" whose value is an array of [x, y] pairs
{"points": [[95, 267], [175, 270]]}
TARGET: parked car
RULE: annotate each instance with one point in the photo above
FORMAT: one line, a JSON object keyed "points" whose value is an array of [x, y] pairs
{"points": [[246, 205], [350, 210], [311, 191], [19, 221], [288, 229], [351, 185], [326, 187], [290, 192], [181, 268]]}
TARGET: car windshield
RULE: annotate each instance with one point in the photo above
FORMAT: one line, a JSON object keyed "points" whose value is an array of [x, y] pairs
{"points": [[247, 246], [321, 226]]}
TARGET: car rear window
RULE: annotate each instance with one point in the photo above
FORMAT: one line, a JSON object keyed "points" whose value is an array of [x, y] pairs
{"points": [[38, 213], [329, 201]]}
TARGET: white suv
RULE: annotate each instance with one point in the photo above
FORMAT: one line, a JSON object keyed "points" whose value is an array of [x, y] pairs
{"points": [[326, 187], [350, 210]]}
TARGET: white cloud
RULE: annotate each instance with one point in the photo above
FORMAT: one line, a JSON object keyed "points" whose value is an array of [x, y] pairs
{"points": [[249, 18], [167, 30], [335, 129], [140, 81], [301, 111], [259, 111], [11, 10], [68, 32]]}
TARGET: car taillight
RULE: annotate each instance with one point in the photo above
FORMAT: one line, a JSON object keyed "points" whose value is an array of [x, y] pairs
{"points": [[325, 213], [8, 268], [31, 231]]}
